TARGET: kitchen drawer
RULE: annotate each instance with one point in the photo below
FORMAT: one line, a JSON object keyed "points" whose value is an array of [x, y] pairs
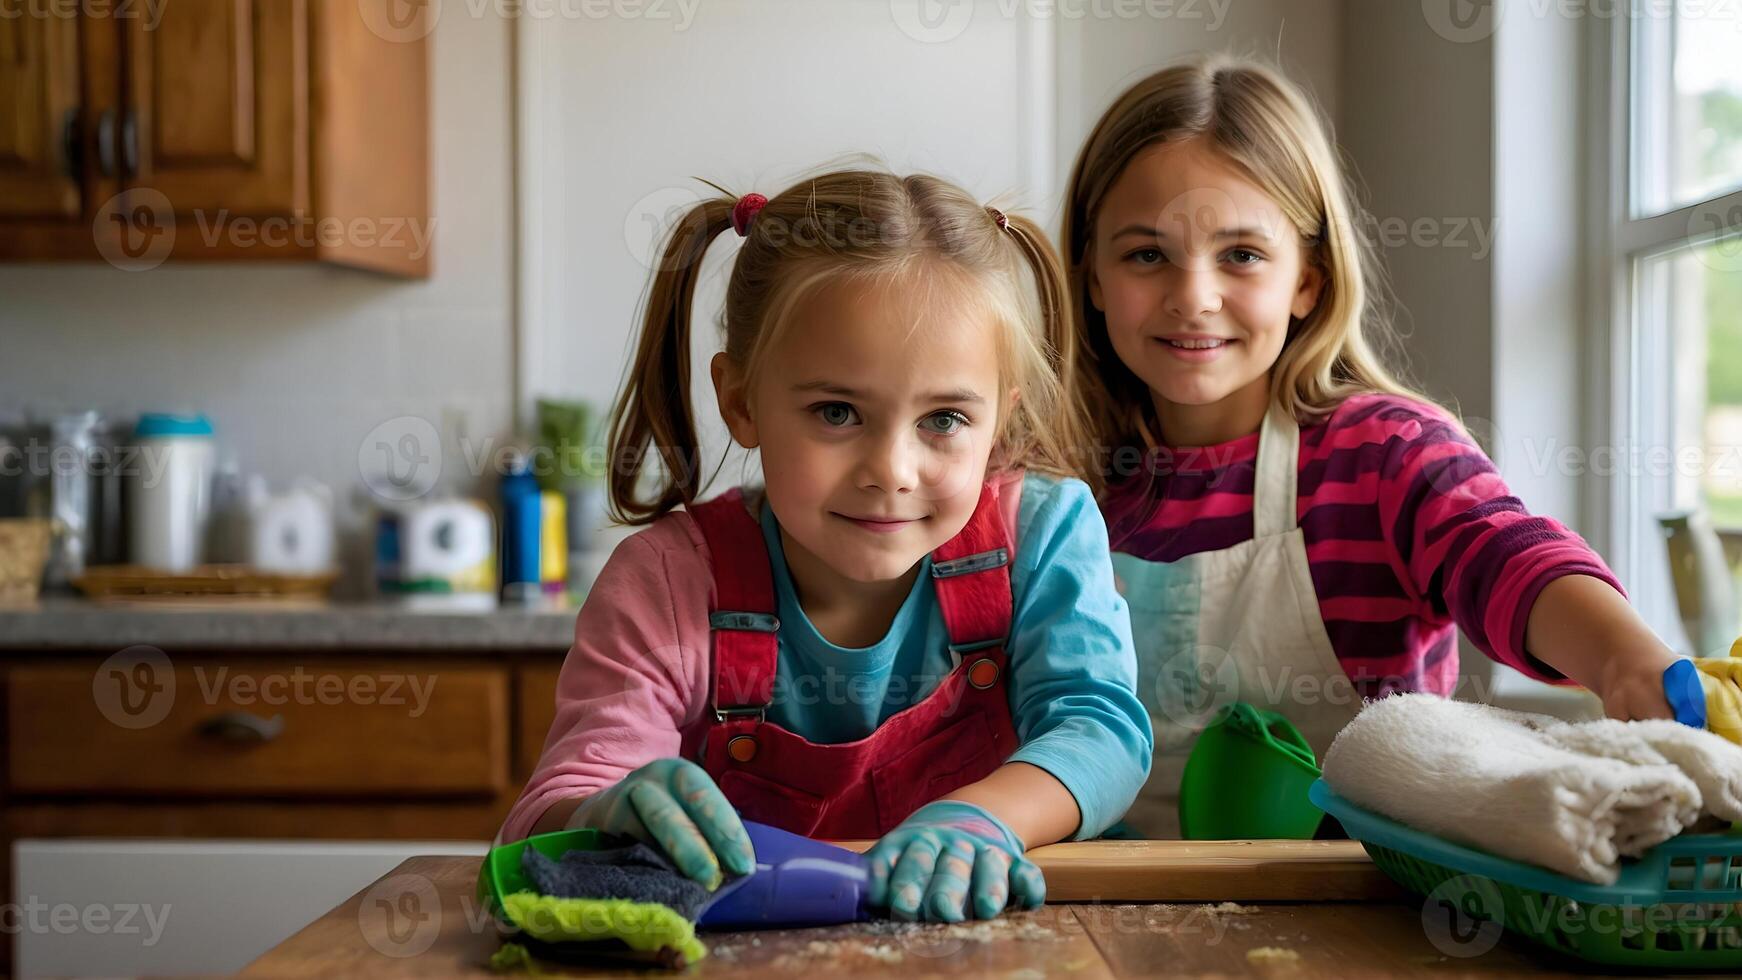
{"points": [[257, 728]]}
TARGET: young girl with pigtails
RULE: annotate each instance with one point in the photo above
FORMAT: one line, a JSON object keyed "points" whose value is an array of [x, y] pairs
{"points": [[910, 631]]}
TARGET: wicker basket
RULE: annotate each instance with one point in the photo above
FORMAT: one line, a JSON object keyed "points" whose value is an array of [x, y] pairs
{"points": [[210, 581], [23, 555]]}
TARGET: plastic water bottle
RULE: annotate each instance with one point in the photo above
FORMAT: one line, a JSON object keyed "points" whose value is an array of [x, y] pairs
{"points": [[521, 530]]}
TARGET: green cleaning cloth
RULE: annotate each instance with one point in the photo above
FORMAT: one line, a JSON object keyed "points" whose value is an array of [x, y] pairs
{"points": [[631, 894]]}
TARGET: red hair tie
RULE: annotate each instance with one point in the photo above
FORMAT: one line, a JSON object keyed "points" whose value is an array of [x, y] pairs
{"points": [[744, 211], [998, 216]]}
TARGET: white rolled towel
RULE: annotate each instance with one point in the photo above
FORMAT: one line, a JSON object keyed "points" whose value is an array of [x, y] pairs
{"points": [[1712, 762], [1571, 797]]}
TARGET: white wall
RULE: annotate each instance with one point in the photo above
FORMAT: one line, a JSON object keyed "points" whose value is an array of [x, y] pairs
{"points": [[1467, 137], [1538, 290], [1417, 122], [620, 117], [295, 364], [994, 94], [1101, 57]]}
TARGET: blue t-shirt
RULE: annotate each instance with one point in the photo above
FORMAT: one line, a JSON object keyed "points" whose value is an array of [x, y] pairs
{"points": [[1072, 677]]}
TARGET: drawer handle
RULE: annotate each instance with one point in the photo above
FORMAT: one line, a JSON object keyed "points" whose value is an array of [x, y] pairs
{"points": [[242, 726], [106, 143], [72, 146]]}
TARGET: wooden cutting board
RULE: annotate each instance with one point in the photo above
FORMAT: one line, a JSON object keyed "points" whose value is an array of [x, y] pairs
{"points": [[1208, 871]]}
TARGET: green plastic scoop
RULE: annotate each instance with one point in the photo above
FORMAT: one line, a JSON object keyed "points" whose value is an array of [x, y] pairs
{"points": [[1247, 779]]}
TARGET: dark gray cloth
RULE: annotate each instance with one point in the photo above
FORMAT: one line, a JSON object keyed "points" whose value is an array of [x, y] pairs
{"points": [[637, 872]]}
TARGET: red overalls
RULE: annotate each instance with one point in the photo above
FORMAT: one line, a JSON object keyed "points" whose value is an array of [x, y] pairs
{"points": [[959, 734]]}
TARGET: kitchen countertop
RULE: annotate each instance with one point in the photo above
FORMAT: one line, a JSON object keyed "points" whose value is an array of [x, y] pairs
{"points": [[68, 622], [422, 919]]}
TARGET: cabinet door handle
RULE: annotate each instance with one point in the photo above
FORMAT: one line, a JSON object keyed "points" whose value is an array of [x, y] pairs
{"points": [[242, 726], [129, 143], [106, 143], [72, 147]]}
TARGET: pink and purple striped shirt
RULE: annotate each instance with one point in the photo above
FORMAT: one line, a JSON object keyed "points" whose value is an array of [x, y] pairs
{"points": [[1410, 534]]}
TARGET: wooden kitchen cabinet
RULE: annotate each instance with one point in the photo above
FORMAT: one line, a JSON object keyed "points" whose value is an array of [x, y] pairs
{"points": [[218, 113], [270, 745], [39, 104], [252, 729], [235, 130]]}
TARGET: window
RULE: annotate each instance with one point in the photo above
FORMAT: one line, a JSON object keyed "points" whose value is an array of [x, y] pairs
{"points": [[1667, 405], [1687, 102]]}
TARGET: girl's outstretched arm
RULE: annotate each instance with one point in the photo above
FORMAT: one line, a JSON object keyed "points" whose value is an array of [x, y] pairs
{"points": [[1583, 628], [1086, 739], [1463, 545], [1034, 805]]}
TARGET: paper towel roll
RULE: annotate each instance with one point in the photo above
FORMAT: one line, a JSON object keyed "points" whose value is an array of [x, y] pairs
{"points": [[292, 533]]}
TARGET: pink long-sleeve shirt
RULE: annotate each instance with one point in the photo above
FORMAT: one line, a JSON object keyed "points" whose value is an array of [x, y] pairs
{"points": [[1410, 534]]}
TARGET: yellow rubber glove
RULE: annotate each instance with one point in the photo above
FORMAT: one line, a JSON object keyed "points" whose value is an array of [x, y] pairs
{"points": [[1721, 677]]}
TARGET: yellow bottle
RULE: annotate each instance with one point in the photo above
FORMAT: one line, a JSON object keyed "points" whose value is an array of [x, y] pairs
{"points": [[553, 543]]}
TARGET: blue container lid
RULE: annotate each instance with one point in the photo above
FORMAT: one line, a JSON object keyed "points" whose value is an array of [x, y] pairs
{"points": [[152, 424]]}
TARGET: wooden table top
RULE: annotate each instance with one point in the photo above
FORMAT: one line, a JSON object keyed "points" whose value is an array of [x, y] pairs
{"points": [[1236, 909]]}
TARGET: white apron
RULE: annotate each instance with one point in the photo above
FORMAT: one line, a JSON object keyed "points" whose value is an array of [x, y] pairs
{"points": [[1241, 624]]}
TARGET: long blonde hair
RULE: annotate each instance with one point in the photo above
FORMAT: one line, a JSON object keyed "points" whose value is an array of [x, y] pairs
{"points": [[1263, 124], [871, 227]]}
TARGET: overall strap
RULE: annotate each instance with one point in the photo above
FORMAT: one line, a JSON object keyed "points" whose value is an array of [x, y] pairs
{"points": [[742, 620], [972, 576]]}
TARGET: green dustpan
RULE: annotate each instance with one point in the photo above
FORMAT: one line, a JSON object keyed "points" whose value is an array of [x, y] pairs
{"points": [[579, 928], [500, 874], [1247, 779]]}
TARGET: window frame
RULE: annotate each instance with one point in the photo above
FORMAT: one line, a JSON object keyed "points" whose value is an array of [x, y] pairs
{"points": [[1626, 369]]}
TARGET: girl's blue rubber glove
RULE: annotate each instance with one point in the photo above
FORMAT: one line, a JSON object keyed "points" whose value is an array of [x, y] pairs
{"points": [[949, 860], [674, 804]]}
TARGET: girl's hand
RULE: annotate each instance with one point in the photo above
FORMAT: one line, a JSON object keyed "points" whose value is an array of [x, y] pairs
{"points": [[1586, 630], [674, 804], [949, 860], [1632, 684]]}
